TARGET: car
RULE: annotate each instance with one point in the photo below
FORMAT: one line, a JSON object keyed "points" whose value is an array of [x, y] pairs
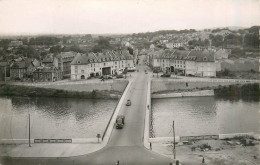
{"points": [[166, 75], [131, 69], [119, 76], [108, 77], [120, 121], [128, 103]]}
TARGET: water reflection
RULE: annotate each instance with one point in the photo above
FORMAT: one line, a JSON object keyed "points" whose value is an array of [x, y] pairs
{"points": [[54, 117], [204, 115]]}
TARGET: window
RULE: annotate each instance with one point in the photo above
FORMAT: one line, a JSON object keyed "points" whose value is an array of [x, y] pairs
{"points": [[91, 65], [104, 64], [205, 59], [82, 71]]}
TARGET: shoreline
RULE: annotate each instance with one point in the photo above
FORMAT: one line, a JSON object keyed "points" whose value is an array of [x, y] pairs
{"points": [[46, 91]]}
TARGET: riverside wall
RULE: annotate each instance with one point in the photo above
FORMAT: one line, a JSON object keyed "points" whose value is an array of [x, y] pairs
{"points": [[111, 90], [182, 85], [184, 94]]}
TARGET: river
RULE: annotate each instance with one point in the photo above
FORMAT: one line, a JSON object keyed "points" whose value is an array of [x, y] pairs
{"points": [[54, 117], [204, 116]]}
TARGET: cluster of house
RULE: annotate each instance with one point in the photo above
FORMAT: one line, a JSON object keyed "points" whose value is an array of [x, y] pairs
{"points": [[67, 65], [97, 64], [48, 69], [204, 63], [192, 62]]}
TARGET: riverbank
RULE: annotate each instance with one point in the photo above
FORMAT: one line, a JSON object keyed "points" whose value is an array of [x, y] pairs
{"points": [[161, 86], [215, 152], [93, 90], [224, 152]]}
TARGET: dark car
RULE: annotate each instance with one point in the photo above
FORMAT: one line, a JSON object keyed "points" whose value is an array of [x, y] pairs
{"points": [[128, 103], [120, 121], [119, 76]]}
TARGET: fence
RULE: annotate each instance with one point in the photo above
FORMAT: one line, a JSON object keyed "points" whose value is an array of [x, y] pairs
{"points": [[203, 137], [52, 140]]}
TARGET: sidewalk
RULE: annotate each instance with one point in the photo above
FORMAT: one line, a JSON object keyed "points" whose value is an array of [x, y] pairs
{"points": [[48, 150]]}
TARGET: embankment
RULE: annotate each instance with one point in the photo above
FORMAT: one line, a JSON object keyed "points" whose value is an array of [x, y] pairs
{"points": [[220, 87], [88, 91]]}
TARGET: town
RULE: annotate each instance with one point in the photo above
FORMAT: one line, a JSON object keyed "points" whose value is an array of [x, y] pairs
{"points": [[207, 53]]}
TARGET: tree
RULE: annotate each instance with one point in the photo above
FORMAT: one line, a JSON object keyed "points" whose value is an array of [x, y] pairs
{"points": [[130, 50], [55, 49], [217, 40], [251, 40], [102, 44]]}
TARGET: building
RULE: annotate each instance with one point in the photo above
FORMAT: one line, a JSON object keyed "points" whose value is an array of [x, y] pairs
{"points": [[50, 61], [15, 43], [22, 70], [4, 70], [50, 74], [178, 61], [97, 64], [196, 63], [221, 54], [64, 60]]}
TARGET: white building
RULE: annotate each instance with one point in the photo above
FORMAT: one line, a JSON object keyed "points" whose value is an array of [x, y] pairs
{"points": [[201, 64], [197, 63], [97, 64]]}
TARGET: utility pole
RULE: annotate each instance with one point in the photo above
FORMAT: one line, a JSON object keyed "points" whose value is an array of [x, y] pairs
{"points": [[174, 152], [5, 73], [29, 131]]}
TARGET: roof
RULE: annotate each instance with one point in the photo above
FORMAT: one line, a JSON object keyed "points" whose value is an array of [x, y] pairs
{"points": [[45, 69], [47, 60], [82, 59], [200, 56], [66, 54], [25, 63], [180, 54], [4, 63]]}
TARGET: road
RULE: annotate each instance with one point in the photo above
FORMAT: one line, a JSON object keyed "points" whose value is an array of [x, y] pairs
{"points": [[125, 145]]}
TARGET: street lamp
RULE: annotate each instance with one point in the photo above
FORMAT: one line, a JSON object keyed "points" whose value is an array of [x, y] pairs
{"points": [[173, 130], [29, 130]]}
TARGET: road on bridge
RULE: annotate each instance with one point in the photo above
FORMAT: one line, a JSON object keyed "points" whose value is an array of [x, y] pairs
{"points": [[125, 145]]}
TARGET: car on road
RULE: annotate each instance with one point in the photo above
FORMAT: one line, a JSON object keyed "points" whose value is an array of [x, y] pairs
{"points": [[166, 75], [131, 69], [128, 102], [120, 122], [120, 76]]}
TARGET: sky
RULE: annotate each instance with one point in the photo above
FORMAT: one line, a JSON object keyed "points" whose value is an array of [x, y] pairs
{"points": [[123, 16]]}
